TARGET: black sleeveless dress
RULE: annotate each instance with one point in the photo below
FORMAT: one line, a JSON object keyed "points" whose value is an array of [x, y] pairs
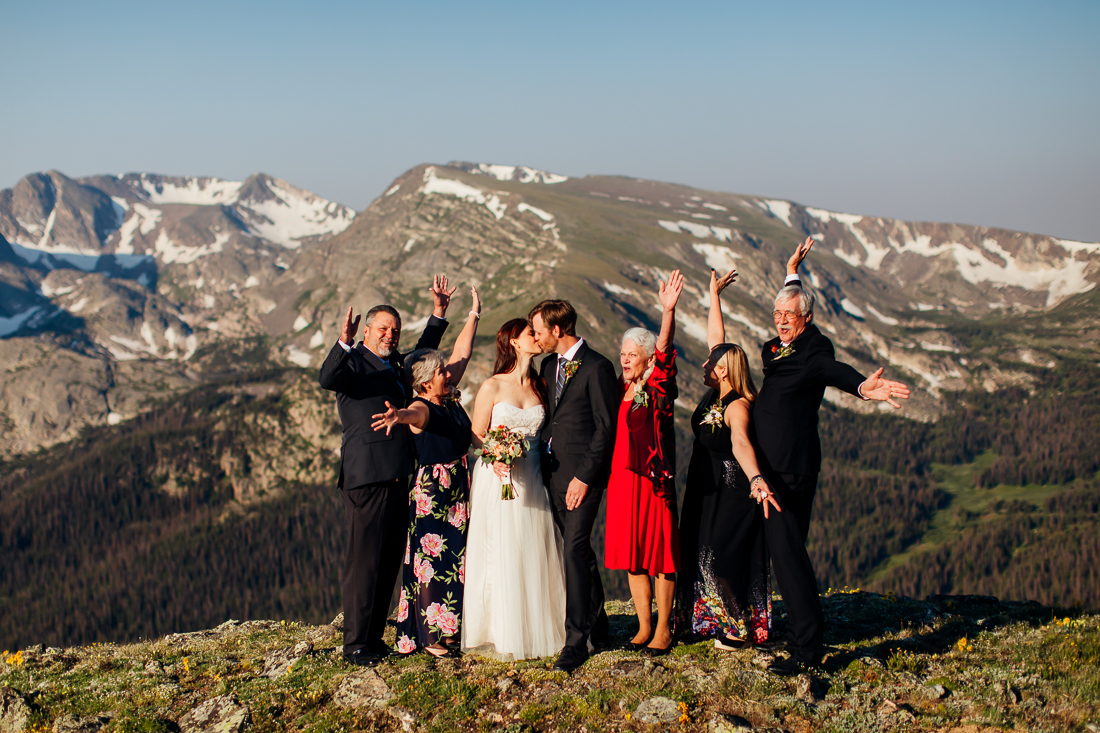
{"points": [[724, 588], [430, 607]]}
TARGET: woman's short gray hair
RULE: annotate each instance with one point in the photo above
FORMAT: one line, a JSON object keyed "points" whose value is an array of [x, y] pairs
{"points": [[645, 340], [420, 367], [805, 298]]}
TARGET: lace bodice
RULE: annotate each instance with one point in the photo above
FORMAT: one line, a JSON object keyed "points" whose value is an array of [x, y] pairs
{"points": [[527, 420]]}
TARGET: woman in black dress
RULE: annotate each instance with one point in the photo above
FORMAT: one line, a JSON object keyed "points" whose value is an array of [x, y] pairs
{"points": [[725, 588], [429, 613]]}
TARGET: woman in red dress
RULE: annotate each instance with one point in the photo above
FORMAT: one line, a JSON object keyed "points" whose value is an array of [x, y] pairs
{"points": [[642, 533]]}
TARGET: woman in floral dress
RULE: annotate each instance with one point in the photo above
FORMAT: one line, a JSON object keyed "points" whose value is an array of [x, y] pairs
{"points": [[430, 608]]}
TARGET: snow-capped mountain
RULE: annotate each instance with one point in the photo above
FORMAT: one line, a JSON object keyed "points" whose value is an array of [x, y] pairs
{"points": [[116, 289]]}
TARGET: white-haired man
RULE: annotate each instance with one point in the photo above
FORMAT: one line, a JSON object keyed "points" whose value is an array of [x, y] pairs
{"points": [[798, 365]]}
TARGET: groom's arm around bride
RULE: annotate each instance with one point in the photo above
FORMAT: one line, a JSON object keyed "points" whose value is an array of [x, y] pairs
{"points": [[580, 435]]}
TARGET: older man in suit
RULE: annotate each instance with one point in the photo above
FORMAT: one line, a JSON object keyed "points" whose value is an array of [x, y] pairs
{"points": [[798, 365], [374, 465]]}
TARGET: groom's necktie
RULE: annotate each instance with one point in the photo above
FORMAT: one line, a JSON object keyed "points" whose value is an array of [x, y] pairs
{"points": [[561, 379]]}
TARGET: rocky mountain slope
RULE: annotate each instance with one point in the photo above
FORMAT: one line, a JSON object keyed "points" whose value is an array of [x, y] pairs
{"points": [[950, 663]]}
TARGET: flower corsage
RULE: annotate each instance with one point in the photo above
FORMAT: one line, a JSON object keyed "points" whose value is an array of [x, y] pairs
{"points": [[715, 415], [780, 353]]}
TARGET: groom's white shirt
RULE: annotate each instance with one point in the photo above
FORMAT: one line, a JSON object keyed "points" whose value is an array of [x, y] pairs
{"points": [[568, 356]]}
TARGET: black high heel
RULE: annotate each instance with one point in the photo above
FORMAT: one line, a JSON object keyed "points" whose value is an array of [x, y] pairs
{"points": [[635, 647]]}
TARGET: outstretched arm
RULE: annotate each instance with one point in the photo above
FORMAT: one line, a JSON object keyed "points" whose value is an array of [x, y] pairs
{"points": [[669, 295], [716, 329], [737, 417], [464, 344], [415, 416]]}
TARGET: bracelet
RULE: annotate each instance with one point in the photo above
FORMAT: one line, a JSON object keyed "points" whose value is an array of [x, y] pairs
{"points": [[476, 315], [754, 479]]}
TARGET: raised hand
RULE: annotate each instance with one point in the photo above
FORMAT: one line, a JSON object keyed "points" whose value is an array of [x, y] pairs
{"points": [[349, 329], [718, 284], [441, 295], [475, 304], [385, 419], [669, 294], [883, 390], [799, 255]]}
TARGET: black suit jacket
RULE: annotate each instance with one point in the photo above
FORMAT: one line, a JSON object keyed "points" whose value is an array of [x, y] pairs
{"points": [[363, 383], [784, 416], [580, 428]]}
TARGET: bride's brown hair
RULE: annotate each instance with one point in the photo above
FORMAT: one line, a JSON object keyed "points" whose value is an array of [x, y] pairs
{"points": [[506, 355]]}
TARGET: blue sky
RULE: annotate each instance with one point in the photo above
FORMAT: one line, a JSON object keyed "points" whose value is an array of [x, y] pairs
{"points": [[981, 113]]}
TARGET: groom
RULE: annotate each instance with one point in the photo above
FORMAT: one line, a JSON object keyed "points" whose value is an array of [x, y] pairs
{"points": [[580, 435]]}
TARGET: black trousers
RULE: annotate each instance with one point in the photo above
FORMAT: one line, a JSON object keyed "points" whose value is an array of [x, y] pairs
{"points": [[785, 533], [584, 596], [378, 516]]}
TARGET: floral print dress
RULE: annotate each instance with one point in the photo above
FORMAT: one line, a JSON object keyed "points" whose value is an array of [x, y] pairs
{"points": [[430, 606]]}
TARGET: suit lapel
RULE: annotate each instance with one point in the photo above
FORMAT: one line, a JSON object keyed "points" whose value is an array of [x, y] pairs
{"points": [[387, 369]]}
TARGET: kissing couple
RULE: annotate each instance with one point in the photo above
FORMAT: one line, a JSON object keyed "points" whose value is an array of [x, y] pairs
{"points": [[532, 585]]}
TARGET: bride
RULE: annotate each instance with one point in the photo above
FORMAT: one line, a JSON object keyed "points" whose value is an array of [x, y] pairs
{"points": [[514, 605]]}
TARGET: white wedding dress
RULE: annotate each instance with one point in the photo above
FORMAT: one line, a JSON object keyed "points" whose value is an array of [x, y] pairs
{"points": [[514, 596]]}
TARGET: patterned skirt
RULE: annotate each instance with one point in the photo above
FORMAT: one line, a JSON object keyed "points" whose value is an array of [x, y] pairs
{"points": [[430, 607]]}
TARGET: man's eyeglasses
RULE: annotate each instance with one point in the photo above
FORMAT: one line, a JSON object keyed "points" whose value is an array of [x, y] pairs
{"points": [[780, 316]]}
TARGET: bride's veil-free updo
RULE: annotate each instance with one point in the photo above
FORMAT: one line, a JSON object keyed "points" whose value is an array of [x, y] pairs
{"points": [[506, 354]]}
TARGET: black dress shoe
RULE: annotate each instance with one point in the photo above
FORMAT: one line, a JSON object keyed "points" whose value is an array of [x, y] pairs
{"points": [[362, 658], [571, 657], [790, 667], [380, 648]]}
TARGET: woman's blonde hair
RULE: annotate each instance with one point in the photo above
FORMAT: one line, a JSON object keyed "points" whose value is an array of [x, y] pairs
{"points": [[738, 376]]}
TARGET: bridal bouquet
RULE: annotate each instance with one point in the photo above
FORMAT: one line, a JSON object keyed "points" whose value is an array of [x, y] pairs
{"points": [[507, 446]]}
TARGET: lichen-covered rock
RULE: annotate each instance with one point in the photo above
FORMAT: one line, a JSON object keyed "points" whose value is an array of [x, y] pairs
{"points": [[14, 711], [365, 689], [406, 718], [658, 710], [71, 724], [722, 723], [279, 662], [224, 714], [806, 690]]}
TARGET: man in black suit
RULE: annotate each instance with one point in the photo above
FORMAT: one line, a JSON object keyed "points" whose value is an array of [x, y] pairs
{"points": [[374, 465], [579, 435], [798, 365]]}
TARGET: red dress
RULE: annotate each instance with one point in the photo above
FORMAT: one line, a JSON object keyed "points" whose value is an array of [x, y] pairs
{"points": [[643, 535]]}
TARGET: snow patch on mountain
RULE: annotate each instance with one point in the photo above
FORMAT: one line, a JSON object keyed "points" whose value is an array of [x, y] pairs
{"points": [[701, 231], [827, 216], [852, 308], [744, 321], [169, 251], [545, 216], [882, 317], [144, 220], [779, 209], [721, 259], [12, 324], [520, 173], [201, 191], [452, 187], [293, 214]]}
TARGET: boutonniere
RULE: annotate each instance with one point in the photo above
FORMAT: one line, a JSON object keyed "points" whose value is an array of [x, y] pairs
{"points": [[641, 398], [778, 353], [570, 368], [715, 415]]}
